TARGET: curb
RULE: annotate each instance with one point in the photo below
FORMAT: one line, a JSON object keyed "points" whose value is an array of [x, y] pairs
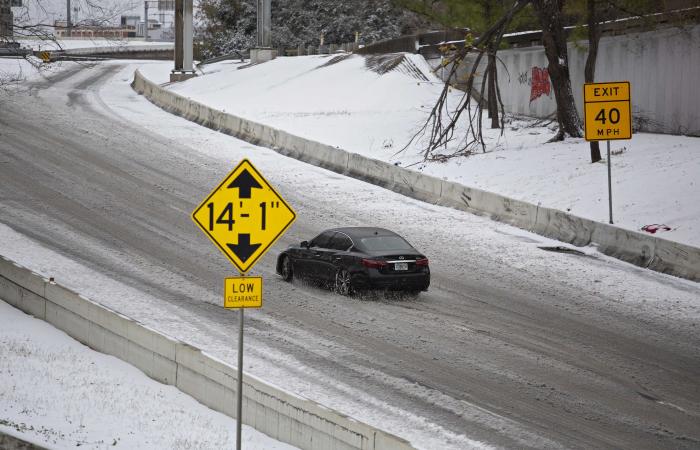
{"points": [[651, 252], [281, 415]]}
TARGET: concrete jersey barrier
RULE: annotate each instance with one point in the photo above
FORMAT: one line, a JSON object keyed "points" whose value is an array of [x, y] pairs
{"points": [[643, 250], [281, 415]]}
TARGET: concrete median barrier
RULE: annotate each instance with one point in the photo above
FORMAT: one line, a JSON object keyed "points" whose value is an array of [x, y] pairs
{"points": [[279, 414], [630, 246]]}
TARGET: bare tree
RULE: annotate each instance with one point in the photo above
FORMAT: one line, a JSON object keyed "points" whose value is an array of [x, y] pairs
{"points": [[442, 121], [441, 125], [31, 21], [554, 39], [591, 58]]}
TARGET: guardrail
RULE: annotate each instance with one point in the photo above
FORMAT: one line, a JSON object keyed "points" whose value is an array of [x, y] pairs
{"points": [[646, 251], [286, 417], [97, 53]]}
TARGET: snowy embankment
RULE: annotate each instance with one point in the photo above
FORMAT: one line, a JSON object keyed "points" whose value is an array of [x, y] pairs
{"points": [[104, 402], [344, 103]]}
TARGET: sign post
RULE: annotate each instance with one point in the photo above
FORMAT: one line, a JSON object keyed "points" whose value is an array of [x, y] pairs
{"points": [[607, 116], [239, 382], [243, 216]]}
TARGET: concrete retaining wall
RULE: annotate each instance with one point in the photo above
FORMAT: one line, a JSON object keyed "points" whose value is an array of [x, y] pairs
{"points": [[112, 49], [285, 417], [640, 249], [10, 442]]}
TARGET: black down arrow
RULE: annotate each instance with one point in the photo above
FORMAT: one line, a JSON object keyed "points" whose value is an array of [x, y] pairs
{"points": [[244, 182], [244, 248]]}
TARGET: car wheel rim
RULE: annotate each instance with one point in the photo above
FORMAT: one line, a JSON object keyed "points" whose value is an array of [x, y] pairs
{"points": [[342, 282]]}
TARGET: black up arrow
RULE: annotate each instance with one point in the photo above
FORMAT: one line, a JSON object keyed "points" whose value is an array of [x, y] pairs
{"points": [[244, 182], [244, 248]]}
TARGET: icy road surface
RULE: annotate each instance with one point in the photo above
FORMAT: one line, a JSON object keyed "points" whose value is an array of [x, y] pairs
{"points": [[512, 346]]}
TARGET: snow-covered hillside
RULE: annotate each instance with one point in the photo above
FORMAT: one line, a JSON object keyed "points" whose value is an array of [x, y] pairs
{"points": [[346, 102]]}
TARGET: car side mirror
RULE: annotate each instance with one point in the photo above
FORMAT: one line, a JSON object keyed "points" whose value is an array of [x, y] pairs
{"points": [[305, 244]]}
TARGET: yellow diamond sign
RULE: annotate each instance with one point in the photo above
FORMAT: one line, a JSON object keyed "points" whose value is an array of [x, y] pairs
{"points": [[244, 216]]}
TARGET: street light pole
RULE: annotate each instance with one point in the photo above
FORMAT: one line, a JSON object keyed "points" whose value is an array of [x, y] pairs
{"points": [[68, 24], [183, 41], [145, 20]]}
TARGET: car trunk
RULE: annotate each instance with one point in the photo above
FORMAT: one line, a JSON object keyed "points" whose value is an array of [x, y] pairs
{"points": [[397, 262]]}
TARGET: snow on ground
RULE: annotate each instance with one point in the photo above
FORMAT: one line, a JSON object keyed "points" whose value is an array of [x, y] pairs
{"points": [[15, 71], [667, 299], [656, 178], [104, 402]]}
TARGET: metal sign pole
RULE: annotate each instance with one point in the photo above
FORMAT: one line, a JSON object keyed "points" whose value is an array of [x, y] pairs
{"points": [[269, 216], [609, 184], [239, 390]]}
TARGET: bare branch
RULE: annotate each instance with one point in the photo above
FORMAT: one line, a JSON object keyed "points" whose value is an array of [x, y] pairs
{"points": [[443, 120]]}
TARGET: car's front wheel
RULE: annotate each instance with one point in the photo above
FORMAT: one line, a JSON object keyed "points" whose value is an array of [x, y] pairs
{"points": [[287, 271], [343, 282]]}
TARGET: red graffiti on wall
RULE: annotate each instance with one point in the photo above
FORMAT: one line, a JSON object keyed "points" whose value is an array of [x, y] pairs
{"points": [[540, 84]]}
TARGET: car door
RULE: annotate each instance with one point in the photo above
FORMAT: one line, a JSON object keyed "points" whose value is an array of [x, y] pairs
{"points": [[310, 259], [330, 259]]}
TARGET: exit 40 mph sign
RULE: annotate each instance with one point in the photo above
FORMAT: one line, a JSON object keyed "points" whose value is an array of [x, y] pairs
{"points": [[607, 111], [244, 216]]}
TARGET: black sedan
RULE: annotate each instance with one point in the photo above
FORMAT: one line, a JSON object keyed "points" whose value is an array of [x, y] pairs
{"points": [[357, 258]]}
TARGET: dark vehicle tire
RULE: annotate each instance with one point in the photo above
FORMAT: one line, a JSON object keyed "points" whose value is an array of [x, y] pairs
{"points": [[343, 283], [287, 271]]}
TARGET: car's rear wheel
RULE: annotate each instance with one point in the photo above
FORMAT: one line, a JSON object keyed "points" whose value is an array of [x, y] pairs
{"points": [[287, 271], [343, 282]]}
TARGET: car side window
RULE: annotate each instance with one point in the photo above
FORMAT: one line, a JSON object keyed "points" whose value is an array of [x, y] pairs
{"points": [[340, 242], [322, 240]]}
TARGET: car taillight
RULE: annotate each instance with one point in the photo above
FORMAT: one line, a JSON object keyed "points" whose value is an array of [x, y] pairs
{"points": [[373, 263], [422, 262]]}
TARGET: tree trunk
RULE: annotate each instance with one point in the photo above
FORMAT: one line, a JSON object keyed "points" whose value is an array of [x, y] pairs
{"points": [[589, 71], [493, 100], [554, 39]]}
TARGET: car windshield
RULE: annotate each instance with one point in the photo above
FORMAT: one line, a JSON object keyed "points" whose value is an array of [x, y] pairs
{"points": [[381, 243]]}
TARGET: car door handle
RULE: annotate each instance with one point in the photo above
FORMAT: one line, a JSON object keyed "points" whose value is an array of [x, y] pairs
{"points": [[337, 258], [317, 254]]}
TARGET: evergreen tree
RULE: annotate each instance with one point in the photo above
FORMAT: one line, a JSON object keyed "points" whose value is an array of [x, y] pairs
{"points": [[231, 24]]}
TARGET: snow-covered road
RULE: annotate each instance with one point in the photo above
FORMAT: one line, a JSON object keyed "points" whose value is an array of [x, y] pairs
{"points": [[512, 346]]}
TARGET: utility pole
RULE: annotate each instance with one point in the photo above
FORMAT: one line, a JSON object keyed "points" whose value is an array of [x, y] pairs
{"points": [[5, 21], [69, 26], [183, 41], [264, 24], [263, 51], [145, 20]]}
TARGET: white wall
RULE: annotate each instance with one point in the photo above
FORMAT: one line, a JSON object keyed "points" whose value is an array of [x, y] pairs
{"points": [[662, 66]]}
